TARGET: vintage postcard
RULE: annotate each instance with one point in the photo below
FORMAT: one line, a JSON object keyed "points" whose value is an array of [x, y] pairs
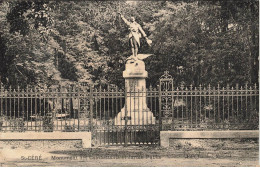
{"points": [[129, 83]]}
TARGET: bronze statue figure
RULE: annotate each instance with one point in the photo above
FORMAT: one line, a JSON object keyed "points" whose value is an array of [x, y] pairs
{"points": [[135, 34]]}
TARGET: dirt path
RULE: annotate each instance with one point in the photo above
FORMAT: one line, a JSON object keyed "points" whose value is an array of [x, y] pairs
{"points": [[130, 156]]}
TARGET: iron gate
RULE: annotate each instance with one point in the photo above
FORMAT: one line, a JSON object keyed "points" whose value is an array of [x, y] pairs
{"points": [[117, 122], [132, 117]]}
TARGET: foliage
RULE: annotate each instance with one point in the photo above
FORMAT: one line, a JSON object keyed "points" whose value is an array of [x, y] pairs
{"points": [[62, 42], [2, 120], [17, 124], [69, 128], [193, 38]]}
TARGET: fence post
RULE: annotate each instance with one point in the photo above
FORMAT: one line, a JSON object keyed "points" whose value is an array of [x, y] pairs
{"points": [[126, 120], [218, 117], [251, 103], [246, 95], [191, 108], [1, 98], [160, 108], [165, 88], [78, 98], [91, 107]]}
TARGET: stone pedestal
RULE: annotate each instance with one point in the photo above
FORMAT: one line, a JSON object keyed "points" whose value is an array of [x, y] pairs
{"points": [[135, 110]]}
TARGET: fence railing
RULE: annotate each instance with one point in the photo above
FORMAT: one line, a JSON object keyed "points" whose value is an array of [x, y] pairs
{"points": [[81, 108], [189, 108]]}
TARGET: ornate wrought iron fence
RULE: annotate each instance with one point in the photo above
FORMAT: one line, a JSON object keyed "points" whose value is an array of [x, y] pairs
{"points": [[192, 108], [46, 109], [82, 108], [205, 108]]}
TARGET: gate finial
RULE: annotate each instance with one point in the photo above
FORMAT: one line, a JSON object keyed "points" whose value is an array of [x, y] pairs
{"points": [[166, 75]]}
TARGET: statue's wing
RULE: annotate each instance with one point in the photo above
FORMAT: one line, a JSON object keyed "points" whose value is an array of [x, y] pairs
{"points": [[143, 56]]}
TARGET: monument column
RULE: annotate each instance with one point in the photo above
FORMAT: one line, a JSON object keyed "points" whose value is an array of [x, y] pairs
{"points": [[135, 85]]}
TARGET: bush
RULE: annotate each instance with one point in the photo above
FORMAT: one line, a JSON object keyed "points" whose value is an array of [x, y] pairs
{"points": [[48, 123], [69, 128], [17, 124]]}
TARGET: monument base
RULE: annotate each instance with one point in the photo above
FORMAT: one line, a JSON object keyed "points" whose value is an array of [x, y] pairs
{"points": [[135, 117], [136, 111]]}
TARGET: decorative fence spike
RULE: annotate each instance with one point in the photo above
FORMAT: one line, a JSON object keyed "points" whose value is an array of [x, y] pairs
{"points": [[228, 86], [150, 87]]}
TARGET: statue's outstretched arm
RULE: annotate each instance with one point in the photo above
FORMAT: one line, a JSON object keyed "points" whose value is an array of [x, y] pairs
{"points": [[125, 20], [142, 31], [149, 42]]}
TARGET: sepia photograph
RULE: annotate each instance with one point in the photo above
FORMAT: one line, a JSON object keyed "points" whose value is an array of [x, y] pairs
{"points": [[129, 83]]}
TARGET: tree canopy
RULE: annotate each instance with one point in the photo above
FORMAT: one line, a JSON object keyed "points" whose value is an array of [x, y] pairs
{"points": [[63, 42]]}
